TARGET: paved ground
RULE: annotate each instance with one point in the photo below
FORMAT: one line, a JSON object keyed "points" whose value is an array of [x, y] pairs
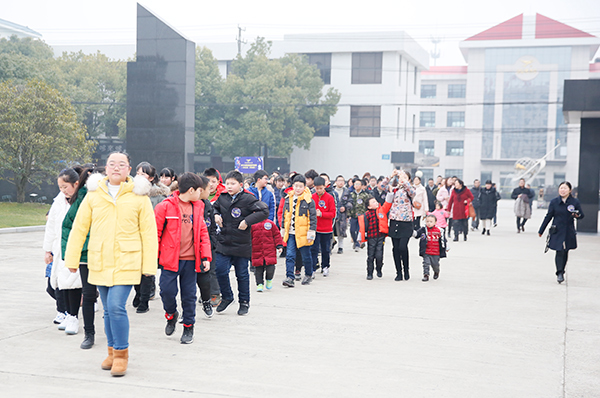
{"points": [[496, 324]]}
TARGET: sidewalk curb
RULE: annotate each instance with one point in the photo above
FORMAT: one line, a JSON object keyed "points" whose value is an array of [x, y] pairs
{"points": [[15, 230]]}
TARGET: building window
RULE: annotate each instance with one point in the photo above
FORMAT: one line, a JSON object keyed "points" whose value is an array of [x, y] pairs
{"points": [[558, 178], [365, 121], [486, 175], [454, 172], [457, 90], [428, 90], [427, 175], [454, 148], [323, 63], [366, 68], [415, 85], [322, 130], [456, 119], [427, 119], [426, 147]]}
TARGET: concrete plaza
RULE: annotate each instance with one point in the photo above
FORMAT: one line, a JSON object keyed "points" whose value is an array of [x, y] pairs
{"points": [[496, 324]]}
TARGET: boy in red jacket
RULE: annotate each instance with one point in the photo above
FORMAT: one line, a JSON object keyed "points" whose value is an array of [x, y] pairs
{"points": [[266, 242], [325, 206], [375, 230], [184, 250], [432, 247]]}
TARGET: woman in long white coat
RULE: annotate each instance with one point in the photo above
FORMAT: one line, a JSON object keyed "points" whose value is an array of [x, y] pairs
{"points": [[420, 202]]}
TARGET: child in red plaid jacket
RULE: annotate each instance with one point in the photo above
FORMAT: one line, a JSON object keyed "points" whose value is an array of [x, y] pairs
{"points": [[376, 229]]}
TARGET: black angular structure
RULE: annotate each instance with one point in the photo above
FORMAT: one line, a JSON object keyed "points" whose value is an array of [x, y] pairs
{"points": [[160, 96], [582, 105]]}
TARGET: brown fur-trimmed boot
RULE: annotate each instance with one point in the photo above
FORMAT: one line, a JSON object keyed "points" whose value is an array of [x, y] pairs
{"points": [[108, 362], [119, 367]]}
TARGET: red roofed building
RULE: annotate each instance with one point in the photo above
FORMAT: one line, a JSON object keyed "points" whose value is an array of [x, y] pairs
{"points": [[506, 103]]}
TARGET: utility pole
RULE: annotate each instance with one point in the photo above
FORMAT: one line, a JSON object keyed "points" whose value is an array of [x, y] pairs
{"points": [[435, 53], [239, 39]]}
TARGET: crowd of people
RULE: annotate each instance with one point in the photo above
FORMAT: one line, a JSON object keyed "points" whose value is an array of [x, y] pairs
{"points": [[108, 232]]}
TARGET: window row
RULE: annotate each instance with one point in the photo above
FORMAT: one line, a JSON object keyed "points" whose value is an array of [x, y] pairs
{"points": [[453, 147], [453, 119], [366, 67], [454, 90]]}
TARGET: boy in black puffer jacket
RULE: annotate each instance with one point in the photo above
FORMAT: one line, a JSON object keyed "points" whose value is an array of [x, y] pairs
{"points": [[235, 212]]}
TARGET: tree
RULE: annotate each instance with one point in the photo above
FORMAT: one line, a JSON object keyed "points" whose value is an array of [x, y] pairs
{"points": [[265, 103], [208, 86], [39, 134]]}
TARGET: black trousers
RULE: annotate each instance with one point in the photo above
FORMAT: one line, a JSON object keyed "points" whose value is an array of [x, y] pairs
{"points": [[90, 295], [58, 296], [215, 290], [143, 290], [461, 226], [400, 251], [560, 259], [72, 301], [263, 271], [375, 254], [521, 222], [203, 281]]}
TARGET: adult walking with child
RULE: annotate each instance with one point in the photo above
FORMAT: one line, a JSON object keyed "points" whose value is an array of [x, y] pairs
{"points": [[401, 220]]}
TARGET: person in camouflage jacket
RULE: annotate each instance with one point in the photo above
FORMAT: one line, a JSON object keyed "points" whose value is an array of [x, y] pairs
{"points": [[357, 205]]}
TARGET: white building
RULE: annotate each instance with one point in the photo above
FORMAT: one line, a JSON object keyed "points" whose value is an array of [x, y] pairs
{"points": [[378, 76], [506, 104], [8, 29]]}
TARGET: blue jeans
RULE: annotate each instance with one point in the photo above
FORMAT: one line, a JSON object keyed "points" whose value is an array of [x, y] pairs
{"points": [[223, 265], [323, 242], [187, 282], [290, 258], [116, 323]]}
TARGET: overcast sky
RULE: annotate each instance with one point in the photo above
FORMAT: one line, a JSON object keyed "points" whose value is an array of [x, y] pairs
{"points": [[63, 22]]}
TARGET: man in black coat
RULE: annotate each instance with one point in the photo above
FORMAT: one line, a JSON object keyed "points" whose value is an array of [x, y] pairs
{"points": [[430, 196]]}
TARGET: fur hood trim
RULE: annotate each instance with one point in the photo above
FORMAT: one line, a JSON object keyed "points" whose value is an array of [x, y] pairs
{"points": [[159, 189], [93, 182], [141, 186]]}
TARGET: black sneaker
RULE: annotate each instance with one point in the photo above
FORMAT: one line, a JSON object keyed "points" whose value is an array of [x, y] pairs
{"points": [[340, 250], [143, 307], [436, 275], [171, 323], [560, 278], [398, 278], [223, 305], [207, 308], [188, 335], [289, 282], [369, 277], [244, 306], [88, 341], [379, 274], [425, 278], [136, 302]]}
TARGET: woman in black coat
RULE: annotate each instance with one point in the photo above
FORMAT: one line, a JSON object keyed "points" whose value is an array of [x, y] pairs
{"points": [[488, 202], [563, 237]]}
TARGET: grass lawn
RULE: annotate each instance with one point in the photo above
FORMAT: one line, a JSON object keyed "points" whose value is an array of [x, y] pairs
{"points": [[22, 214]]}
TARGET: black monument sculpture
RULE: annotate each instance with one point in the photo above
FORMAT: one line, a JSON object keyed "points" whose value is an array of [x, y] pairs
{"points": [[160, 96], [582, 105]]}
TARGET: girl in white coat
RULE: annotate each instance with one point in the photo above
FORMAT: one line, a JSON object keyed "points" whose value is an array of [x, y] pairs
{"points": [[66, 285]]}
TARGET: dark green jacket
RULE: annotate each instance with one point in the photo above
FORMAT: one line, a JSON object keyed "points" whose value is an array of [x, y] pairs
{"points": [[68, 224]]}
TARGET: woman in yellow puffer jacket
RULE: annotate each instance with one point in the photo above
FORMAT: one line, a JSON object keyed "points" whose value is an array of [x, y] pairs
{"points": [[123, 245]]}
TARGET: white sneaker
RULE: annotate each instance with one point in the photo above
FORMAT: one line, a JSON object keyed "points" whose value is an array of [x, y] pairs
{"points": [[60, 316], [63, 324], [72, 325], [325, 271]]}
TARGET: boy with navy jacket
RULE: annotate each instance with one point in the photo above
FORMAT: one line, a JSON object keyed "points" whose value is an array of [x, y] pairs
{"points": [[236, 211], [184, 250]]}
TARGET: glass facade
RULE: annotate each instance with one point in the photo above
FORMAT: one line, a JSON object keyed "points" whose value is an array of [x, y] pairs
{"points": [[323, 63], [457, 90], [365, 121], [454, 148], [366, 68], [528, 76], [428, 90], [427, 147], [456, 119]]}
